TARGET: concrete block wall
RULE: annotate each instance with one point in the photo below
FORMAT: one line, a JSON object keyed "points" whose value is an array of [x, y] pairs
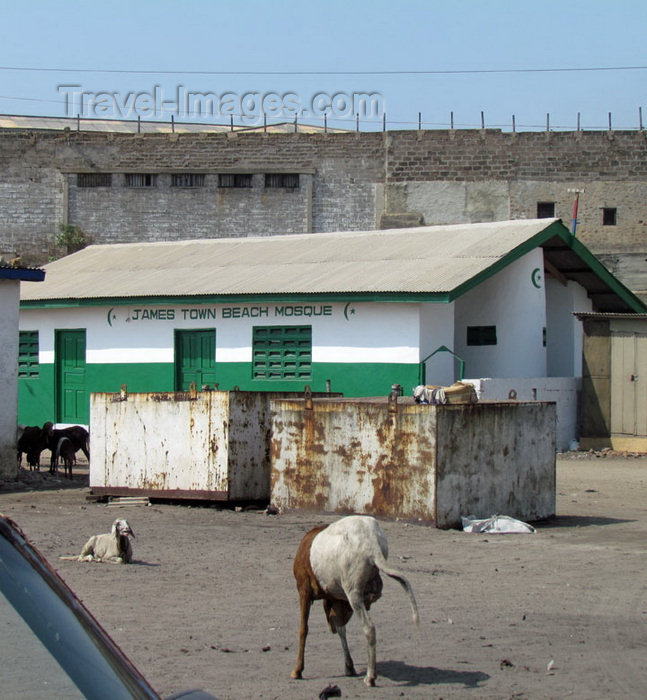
{"points": [[348, 181]]}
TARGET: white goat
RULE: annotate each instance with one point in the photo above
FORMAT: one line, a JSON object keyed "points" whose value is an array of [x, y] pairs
{"points": [[113, 547], [340, 564]]}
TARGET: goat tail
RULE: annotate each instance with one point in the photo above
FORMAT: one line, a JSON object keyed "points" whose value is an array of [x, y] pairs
{"points": [[383, 566]]}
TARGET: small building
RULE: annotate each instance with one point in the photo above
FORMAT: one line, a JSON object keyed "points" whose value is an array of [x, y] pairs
{"points": [[349, 312], [13, 362], [614, 398]]}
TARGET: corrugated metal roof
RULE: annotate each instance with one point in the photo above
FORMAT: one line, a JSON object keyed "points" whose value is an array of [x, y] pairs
{"points": [[439, 262], [426, 259]]}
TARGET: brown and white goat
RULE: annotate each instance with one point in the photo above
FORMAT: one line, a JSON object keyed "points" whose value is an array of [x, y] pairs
{"points": [[340, 564]]}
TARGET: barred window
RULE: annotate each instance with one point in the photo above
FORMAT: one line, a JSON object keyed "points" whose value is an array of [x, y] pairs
{"points": [[234, 180], [187, 180], [28, 354], [285, 180], [282, 352], [141, 180], [94, 180]]}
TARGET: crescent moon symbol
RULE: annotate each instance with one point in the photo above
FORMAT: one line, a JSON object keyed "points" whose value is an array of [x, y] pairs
{"points": [[346, 311], [534, 277], [109, 315]]}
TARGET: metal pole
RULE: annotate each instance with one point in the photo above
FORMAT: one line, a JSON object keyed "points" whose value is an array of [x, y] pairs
{"points": [[640, 118], [576, 204], [172, 124], [419, 120], [139, 124], [482, 120], [451, 120], [384, 121], [514, 124], [357, 122], [547, 121], [296, 128], [231, 122], [578, 121], [610, 121], [325, 123]]}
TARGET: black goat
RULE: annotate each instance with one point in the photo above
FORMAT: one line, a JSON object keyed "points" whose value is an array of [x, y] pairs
{"points": [[32, 440], [76, 434]]}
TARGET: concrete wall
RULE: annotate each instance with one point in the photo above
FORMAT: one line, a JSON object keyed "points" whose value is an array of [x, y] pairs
{"points": [[564, 330], [564, 392], [9, 299], [517, 307], [348, 181], [433, 463]]}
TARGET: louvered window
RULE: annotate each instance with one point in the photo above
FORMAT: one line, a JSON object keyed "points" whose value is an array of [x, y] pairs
{"points": [[282, 352], [28, 354]]}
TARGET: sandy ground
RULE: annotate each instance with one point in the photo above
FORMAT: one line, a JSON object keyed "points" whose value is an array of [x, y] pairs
{"points": [[210, 600]]}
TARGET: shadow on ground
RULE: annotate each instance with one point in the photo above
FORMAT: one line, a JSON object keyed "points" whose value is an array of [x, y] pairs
{"points": [[578, 521], [429, 675], [33, 480]]}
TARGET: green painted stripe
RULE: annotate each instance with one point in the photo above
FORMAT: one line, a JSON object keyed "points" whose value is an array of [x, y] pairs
{"points": [[36, 396]]}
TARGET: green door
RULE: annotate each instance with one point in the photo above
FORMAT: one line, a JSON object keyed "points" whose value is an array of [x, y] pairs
{"points": [[72, 397], [195, 358]]}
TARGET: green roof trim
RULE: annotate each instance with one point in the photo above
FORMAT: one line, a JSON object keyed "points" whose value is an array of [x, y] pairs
{"points": [[601, 271], [557, 228], [386, 297]]}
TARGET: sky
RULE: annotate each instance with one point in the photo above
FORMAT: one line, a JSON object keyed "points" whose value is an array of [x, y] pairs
{"points": [[401, 63]]}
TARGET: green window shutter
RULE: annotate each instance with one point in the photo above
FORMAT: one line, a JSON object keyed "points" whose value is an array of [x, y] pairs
{"points": [[28, 354], [282, 352]]}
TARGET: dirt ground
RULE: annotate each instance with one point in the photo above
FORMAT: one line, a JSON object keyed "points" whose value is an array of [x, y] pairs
{"points": [[210, 600]]}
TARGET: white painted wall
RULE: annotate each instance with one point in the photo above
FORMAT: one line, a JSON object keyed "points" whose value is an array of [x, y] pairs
{"points": [[9, 300], [437, 329], [513, 303], [564, 330], [564, 391], [364, 332]]}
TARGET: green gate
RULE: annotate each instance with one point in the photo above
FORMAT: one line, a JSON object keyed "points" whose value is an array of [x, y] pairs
{"points": [[72, 398], [195, 358]]}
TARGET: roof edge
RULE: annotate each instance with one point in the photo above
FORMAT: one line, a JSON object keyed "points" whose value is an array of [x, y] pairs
{"points": [[386, 297]]}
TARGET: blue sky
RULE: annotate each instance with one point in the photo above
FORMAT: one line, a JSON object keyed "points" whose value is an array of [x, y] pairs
{"points": [[409, 56]]}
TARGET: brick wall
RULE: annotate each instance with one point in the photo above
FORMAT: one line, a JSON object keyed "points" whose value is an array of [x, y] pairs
{"points": [[347, 181]]}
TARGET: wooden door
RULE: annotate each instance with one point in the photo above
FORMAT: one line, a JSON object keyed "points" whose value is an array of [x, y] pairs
{"points": [[72, 396], [195, 358]]}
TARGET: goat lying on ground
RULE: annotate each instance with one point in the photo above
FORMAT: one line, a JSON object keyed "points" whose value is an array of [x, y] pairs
{"points": [[340, 564], [113, 547], [66, 452]]}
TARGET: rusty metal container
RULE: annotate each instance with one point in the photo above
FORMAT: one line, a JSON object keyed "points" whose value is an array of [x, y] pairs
{"points": [[211, 445], [394, 458]]}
